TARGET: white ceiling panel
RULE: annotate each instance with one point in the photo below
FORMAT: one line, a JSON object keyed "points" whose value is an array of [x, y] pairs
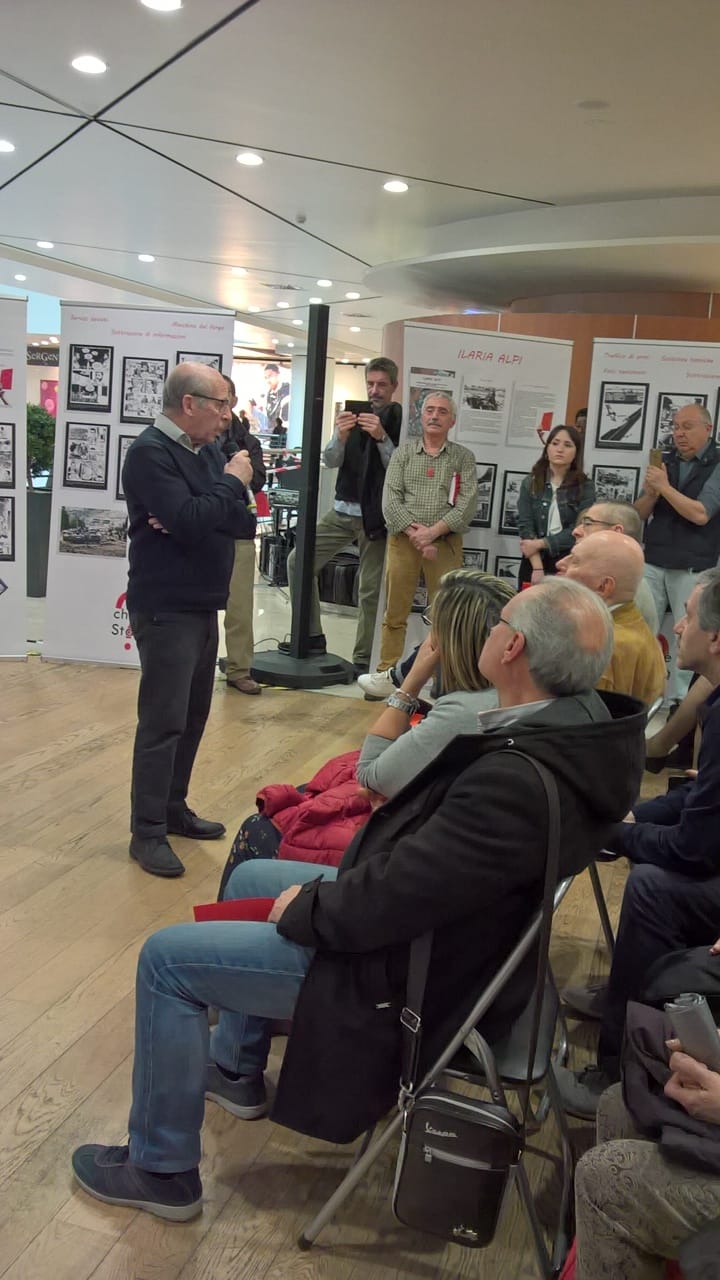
{"points": [[32, 133]]}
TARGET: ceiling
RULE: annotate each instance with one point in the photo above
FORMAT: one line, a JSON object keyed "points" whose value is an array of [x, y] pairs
{"points": [[545, 146]]}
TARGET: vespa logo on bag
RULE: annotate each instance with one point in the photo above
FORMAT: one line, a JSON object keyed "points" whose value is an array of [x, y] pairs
{"points": [[439, 1133], [464, 1233]]}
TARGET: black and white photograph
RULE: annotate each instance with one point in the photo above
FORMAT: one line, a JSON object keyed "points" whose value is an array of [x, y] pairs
{"points": [[92, 531], [621, 419], [615, 484], [124, 443], [475, 558], [512, 481], [90, 378], [507, 567], [7, 528], [486, 475], [667, 406], [86, 455], [142, 389], [7, 455], [484, 398], [199, 357]]}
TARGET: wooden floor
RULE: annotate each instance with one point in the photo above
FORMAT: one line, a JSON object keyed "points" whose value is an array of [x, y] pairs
{"points": [[73, 913]]}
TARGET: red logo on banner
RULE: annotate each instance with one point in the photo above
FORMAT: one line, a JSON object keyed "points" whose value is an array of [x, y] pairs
{"points": [[121, 625]]}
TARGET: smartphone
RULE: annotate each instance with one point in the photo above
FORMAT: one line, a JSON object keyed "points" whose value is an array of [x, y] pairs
{"points": [[358, 406], [656, 458], [694, 1026]]}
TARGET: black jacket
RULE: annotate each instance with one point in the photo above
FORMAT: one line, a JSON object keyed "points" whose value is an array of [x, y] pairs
{"points": [[362, 475], [188, 568], [455, 852], [236, 438], [671, 541]]}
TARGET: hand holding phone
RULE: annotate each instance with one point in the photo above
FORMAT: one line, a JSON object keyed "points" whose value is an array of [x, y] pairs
{"points": [[655, 458], [694, 1026]]}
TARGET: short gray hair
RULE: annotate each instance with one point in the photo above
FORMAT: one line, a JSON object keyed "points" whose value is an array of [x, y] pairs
{"points": [[184, 380], [568, 634], [709, 603], [624, 514], [444, 395]]}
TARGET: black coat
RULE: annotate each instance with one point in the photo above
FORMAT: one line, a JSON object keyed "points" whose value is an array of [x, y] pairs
{"points": [[236, 438], [461, 850]]}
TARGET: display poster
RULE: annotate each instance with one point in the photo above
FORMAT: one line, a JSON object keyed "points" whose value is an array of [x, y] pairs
{"points": [[13, 478], [113, 363], [263, 392]]}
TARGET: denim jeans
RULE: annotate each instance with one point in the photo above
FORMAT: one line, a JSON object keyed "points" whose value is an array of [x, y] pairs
{"points": [[249, 972], [670, 590]]}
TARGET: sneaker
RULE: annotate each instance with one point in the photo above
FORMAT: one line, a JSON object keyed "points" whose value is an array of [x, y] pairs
{"points": [[186, 823], [244, 1098], [316, 644], [107, 1174], [580, 1091], [156, 857], [586, 1002], [377, 686]]}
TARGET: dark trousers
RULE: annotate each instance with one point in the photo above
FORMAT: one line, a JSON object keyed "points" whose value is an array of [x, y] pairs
{"points": [[177, 659], [662, 911]]}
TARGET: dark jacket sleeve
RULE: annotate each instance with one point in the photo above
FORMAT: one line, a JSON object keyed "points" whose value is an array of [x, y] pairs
{"points": [[155, 480], [247, 440], [477, 848], [526, 512]]}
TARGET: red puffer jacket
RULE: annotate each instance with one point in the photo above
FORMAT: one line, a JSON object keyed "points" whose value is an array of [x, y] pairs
{"points": [[318, 824]]}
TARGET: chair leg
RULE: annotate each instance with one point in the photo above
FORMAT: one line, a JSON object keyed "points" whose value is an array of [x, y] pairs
{"points": [[565, 1220], [602, 907], [355, 1175], [545, 1266]]}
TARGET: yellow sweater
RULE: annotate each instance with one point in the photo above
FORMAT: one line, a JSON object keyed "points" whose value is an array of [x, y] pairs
{"points": [[637, 665]]}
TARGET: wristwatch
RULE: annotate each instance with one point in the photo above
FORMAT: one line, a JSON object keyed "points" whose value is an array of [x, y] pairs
{"points": [[403, 702]]}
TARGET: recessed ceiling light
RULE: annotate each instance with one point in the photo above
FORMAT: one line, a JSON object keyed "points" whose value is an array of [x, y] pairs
{"points": [[396, 186], [282, 305], [324, 284], [146, 257], [352, 296], [274, 341], [366, 359], [344, 361], [249, 158], [297, 321], [238, 271], [45, 244], [253, 308], [44, 343], [291, 344], [311, 300], [162, 6], [354, 328], [20, 277], [53, 338], [89, 64], [6, 146], [34, 344]]}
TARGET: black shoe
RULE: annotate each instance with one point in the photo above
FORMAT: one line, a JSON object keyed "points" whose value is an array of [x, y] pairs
{"points": [[244, 1098], [156, 857], [316, 644], [189, 825], [222, 664], [107, 1174]]}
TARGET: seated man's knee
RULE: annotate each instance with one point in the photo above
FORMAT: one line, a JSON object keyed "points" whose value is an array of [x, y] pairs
{"points": [[647, 886]]}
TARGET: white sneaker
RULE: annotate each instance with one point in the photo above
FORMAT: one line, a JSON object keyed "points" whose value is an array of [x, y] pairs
{"points": [[377, 685]]}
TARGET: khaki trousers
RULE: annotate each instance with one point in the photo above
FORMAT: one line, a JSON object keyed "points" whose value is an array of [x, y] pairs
{"points": [[239, 639], [402, 573]]}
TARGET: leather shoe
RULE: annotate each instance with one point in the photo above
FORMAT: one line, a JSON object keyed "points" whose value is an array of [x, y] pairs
{"points": [[189, 825], [244, 684], [156, 857]]}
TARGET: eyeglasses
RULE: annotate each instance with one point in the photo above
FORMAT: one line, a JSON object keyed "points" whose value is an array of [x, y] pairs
{"points": [[426, 617], [507, 624], [200, 395], [587, 521]]}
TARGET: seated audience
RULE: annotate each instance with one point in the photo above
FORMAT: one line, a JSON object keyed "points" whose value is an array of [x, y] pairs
{"points": [[619, 517], [672, 895], [548, 503], [460, 851], [611, 564]]}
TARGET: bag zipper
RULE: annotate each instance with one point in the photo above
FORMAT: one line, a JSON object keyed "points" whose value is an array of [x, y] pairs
{"points": [[432, 1153]]}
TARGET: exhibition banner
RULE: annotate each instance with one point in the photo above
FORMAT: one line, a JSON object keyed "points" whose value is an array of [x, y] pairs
{"points": [[113, 363], [13, 478]]}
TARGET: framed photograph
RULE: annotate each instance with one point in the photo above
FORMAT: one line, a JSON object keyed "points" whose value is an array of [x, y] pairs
{"points": [[142, 389], [124, 443], [486, 476], [667, 406], [90, 378], [86, 455], [507, 567], [475, 558], [615, 484], [7, 528], [512, 481], [199, 357], [7, 455], [621, 419], [92, 531]]}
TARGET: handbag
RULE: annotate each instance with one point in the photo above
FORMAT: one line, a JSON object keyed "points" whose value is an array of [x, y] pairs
{"points": [[457, 1153]]}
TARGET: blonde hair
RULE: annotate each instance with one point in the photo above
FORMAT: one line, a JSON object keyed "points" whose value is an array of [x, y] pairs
{"points": [[467, 605]]}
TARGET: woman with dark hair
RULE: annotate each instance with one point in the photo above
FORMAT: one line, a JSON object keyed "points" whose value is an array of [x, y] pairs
{"points": [[548, 504]]}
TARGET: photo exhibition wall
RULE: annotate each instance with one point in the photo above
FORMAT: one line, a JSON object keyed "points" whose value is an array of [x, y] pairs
{"points": [[113, 363], [13, 434]]}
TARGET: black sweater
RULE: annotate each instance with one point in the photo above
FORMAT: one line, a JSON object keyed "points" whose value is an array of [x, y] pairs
{"points": [[188, 568]]}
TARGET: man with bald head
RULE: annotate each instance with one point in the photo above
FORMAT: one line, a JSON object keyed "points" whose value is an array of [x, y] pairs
{"points": [[611, 565], [619, 517], [184, 518], [681, 503]]}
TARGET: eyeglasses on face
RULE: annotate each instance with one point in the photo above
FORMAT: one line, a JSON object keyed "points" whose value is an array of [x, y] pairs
{"points": [[587, 521], [200, 395], [426, 616]]}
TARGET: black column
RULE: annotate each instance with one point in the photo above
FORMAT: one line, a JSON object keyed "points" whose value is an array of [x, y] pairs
{"points": [[311, 441]]}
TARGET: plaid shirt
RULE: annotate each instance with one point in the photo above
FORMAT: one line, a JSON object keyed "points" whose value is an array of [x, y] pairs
{"points": [[417, 486]]}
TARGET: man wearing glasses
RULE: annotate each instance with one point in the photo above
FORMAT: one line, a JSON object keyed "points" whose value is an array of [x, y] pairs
{"points": [[184, 519], [619, 517]]}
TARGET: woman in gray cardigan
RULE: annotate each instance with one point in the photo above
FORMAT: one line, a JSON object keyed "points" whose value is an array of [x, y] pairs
{"points": [[467, 605]]}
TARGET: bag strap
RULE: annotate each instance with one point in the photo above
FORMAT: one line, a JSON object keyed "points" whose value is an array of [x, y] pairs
{"points": [[410, 1019]]}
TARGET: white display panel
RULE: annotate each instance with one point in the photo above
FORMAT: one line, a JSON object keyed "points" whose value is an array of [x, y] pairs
{"points": [[13, 467]]}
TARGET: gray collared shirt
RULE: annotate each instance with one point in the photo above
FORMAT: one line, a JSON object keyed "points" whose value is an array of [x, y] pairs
{"points": [[498, 718], [174, 432]]}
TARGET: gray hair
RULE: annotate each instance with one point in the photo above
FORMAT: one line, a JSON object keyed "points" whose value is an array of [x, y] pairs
{"points": [[709, 603], [444, 395], [623, 513], [568, 634], [184, 380]]}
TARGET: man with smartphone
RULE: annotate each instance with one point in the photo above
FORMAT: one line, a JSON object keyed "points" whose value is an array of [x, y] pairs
{"points": [[366, 435]]}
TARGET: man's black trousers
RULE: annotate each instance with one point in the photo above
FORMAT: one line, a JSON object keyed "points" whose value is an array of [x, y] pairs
{"points": [[177, 659]]}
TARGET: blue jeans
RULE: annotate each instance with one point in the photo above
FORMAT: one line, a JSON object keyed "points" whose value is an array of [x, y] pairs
{"points": [[249, 972], [670, 590]]}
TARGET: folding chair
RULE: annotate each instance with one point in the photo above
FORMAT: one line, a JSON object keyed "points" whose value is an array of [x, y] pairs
{"points": [[510, 1054]]}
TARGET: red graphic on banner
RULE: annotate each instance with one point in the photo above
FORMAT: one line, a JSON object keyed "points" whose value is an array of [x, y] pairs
{"points": [[121, 625]]}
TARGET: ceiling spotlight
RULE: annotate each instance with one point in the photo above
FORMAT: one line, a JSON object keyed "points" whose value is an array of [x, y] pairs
{"points": [[162, 6], [253, 308], [249, 158], [45, 244], [297, 321], [238, 271], [89, 64], [44, 343], [282, 306], [352, 297], [19, 277], [395, 186], [324, 284], [291, 344], [311, 300], [354, 328], [6, 146], [146, 257], [344, 361], [53, 338], [34, 344]]}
